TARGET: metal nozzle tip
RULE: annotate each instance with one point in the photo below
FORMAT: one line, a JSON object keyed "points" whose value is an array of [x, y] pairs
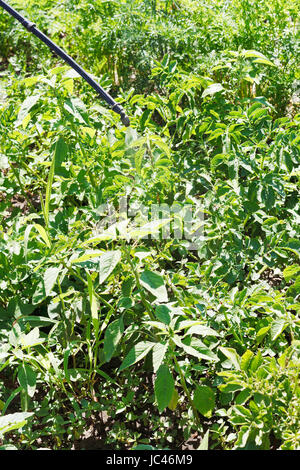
{"points": [[125, 120]]}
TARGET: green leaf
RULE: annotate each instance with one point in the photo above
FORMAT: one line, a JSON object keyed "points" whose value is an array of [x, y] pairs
{"points": [[27, 379], [50, 277], [154, 283], [205, 352], [232, 355], [243, 396], [88, 255], [246, 359], [204, 442], [26, 106], [212, 89], [107, 264], [253, 53], [291, 272], [31, 339], [164, 387], [61, 152], [76, 108], [138, 158], [256, 362], [202, 330], [277, 327], [231, 387], [43, 234], [157, 324], [262, 333], [113, 334], [157, 140], [162, 313], [190, 350], [26, 239], [204, 400], [37, 320], [150, 228], [293, 246], [264, 61], [174, 400], [137, 353], [158, 354], [39, 294], [13, 421], [144, 447]]}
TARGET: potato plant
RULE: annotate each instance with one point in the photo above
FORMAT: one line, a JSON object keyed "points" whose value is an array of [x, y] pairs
{"points": [[149, 276]]}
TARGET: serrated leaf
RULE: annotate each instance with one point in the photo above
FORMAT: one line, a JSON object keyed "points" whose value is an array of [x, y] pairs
{"points": [[256, 362], [204, 442], [151, 228], [13, 421], [31, 339], [174, 400], [243, 396], [26, 106], [262, 333], [232, 355], [76, 108], [188, 349], [253, 53], [43, 234], [162, 313], [204, 400], [202, 330], [291, 272], [264, 61], [137, 353], [113, 334], [164, 387], [27, 379], [154, 283], [158, 354], [88, 255], [212, 89], [246, 359], [277, 327], [50, 277], [107, 264]]}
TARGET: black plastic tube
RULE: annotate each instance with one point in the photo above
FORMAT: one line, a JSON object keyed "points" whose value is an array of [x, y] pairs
{"points": [[32, 28]]}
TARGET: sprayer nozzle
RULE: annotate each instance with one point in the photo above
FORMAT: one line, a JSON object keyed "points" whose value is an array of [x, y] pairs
{"points": [[125, 120], [117, 108]]}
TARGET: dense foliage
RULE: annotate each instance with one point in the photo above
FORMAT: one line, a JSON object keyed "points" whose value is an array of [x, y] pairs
{"points": [[114, 335]]}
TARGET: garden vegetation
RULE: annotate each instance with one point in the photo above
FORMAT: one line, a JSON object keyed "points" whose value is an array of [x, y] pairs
{"points": [[114, 335]]}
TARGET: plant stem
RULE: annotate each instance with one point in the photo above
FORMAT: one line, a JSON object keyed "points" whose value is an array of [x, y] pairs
{"points": [[184, 386], [138, 283]]}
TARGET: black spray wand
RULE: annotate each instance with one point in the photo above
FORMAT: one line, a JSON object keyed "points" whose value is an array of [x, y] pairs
{"points": [[32, 28]]}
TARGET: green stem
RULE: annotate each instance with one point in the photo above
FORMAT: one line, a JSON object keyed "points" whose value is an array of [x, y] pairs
{"points": [[138, 283], [233, 331], [76, 274], [63, 310], [184, 386]]}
